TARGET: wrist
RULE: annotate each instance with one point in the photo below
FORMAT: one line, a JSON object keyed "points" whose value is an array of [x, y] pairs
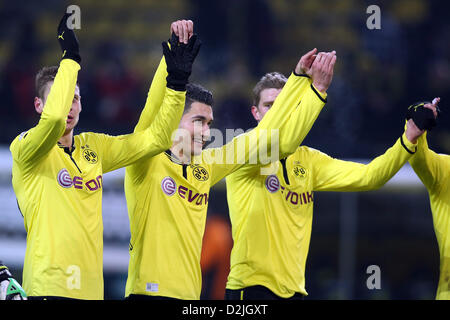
{"points": [[71, 55], [175, 84], [407, 144], [412, 138], [301, 73], [319, 87], [321, 95]]}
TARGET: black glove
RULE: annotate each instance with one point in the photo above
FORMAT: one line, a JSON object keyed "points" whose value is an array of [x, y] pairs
{"points": [[68, 41], [179, 60], [10, 289], [422, 117]]}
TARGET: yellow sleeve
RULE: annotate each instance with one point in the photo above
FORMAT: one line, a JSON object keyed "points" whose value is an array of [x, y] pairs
{"points": [[155, 97], [337, 175], [32, 145], [294, 111], [429, 166], [121, 151], [286, 102], [301, 120]]}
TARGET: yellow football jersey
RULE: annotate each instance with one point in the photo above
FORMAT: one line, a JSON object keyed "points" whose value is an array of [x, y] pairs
{"points": [[167, 200], [433, 170], [271, 215], [59, 190]]}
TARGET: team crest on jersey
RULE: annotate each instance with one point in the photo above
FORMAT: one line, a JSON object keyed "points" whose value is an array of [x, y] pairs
{"points": [[272, 183], [89, 155], [299, 171], [200, 173], [168, 186]]}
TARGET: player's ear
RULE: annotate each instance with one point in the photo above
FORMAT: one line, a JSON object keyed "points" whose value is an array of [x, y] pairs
{"points": [[38, 105], [255, 113]]}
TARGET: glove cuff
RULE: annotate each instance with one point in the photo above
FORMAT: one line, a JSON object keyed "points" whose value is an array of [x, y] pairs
{"points": [[176, 84], [72, 55]]}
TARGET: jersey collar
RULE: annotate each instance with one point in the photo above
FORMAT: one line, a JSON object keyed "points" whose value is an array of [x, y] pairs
{"points": [[172, 157], [67, 149]]}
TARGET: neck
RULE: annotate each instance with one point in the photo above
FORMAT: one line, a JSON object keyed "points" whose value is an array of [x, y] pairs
{"points": [[66, 139]]}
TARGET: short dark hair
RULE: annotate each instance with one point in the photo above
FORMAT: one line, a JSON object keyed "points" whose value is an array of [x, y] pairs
{"points": [[197, 93], [44, 76], [270, 80]]}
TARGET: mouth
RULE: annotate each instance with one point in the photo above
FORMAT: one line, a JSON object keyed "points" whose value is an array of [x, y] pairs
{"points": [[200, 141], [69, 118]]}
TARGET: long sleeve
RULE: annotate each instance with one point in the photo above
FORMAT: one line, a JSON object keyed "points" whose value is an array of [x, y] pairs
{"points": [[429, 166], [294, 111], [155, 97], [286, 101], [121, 151], [301, 120], [34, 144], [337, 175]]}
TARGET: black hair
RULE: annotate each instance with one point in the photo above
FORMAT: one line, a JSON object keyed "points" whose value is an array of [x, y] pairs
{"points": [[197, 93]]}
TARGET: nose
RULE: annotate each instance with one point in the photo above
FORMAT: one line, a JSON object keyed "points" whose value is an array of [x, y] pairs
{"points": [[206, 131]]}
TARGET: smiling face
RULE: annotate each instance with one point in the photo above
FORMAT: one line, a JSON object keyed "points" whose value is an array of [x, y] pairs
{"points": [[196, 122], [74, 113]]}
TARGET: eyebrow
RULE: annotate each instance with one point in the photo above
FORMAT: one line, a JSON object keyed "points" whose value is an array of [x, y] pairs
{"points": [[200, 117], [268, 101]]}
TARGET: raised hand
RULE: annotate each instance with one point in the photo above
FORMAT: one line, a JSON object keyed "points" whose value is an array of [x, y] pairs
{"points": [[322, 70], [421, 116], [180, 58], [183, 29], [305, 63]]}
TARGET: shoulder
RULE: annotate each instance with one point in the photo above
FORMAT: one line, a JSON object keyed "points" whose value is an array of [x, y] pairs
{"points": [[17, 140], [305, 150], [90, 137]]}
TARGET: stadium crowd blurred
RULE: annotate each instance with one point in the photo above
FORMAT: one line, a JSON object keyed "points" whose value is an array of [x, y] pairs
{"points": [[378, 73]]}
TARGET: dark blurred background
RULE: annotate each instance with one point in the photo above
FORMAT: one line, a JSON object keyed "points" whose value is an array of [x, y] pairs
{"points": [[378, 74]]}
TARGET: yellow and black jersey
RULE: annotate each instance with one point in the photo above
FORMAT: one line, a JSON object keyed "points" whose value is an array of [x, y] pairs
{"points": [[271, 214], [167, 200], [59, 190], [433, 170]]}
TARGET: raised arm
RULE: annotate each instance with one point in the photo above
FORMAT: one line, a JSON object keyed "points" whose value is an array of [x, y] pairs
{"points": [[338, 175], [428, 165], [35, 143], [301, 120], [155, 97], [124, 150], [184, 30], [293, 113], [121, 151]]}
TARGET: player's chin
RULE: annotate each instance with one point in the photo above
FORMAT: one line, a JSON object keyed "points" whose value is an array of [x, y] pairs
{"points": [[197, 148], [70, 125]]}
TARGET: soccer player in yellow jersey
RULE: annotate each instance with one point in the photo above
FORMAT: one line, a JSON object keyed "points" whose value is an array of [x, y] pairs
{"points": [[433, 170], [57, 177], [168, 194], [271, 215]]}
